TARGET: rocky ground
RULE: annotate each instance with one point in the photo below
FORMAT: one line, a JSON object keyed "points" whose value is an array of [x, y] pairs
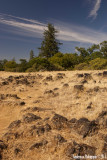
{"points": [[53, 115]]}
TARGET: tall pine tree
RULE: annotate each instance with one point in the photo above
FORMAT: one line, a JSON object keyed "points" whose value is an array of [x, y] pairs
{"points": [[50, 45]]}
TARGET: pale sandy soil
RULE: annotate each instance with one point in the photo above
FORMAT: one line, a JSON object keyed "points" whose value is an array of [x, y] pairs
{"points": [[52, 93]]}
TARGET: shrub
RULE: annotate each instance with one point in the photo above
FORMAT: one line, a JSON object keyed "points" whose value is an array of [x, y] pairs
{"points": [[98, 63], [10, 66], [41, 64], [81, 66], [69, 61]]}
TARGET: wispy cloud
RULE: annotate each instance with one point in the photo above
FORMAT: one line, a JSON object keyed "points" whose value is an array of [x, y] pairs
{"points": [[96, 7], [77, 33], [67, 32], [22, 26]]}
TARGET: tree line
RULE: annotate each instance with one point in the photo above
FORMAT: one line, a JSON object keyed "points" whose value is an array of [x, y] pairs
{"points": [[50, 58]]}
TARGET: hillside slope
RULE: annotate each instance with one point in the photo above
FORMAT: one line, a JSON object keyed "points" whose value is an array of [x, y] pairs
{"points": [[53, 115]]}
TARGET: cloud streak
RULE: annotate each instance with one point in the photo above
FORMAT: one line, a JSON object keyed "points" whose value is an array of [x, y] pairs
{"points": [[22, 26], [96, 7], [67, 32]]}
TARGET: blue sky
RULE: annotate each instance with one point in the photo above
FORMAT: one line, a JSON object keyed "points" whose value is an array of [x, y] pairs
{"points": [[22, 23]]}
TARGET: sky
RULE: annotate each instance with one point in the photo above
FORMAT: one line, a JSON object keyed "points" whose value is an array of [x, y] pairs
{"points": [[22, 23]]}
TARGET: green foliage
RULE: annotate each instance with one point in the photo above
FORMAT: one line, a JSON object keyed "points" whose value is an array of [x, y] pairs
{"points": [[93, 48], [82, 66], [41, 64], [10, 66], [49, 46], [103, 49], [2, 63], [1, 67], [22, 66], [31, 54], [69, 60], [96, 54], [83, 51], [56, 59], [32, 61], [98, 63], [49, 59]]}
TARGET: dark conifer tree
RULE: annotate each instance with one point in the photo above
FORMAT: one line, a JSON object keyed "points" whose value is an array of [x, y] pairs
{"points": [[50, 45]]}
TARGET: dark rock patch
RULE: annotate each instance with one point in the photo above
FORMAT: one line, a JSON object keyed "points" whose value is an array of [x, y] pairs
{"points": [[36, 109], [66, 85], [47, 127], [49, 78], [2, 147], [87, 75], [79, 149], [100, 74], [30, 117], [59, 77], [5, 83], [59, 122], [17, 151], [39, 130], [96, 89], [11, 136], [51, 93], [55, 89], [14, 124], [38, 145], [4, 96], [105, 74], [78, 87], [89, 107], [85, 127], [22, 81], [22, 103], [48, 92], [80, 75], [60, 139], [10, 79], [37, 101], [60, 74], [102, 119], [72, 122], [84, 81]]}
